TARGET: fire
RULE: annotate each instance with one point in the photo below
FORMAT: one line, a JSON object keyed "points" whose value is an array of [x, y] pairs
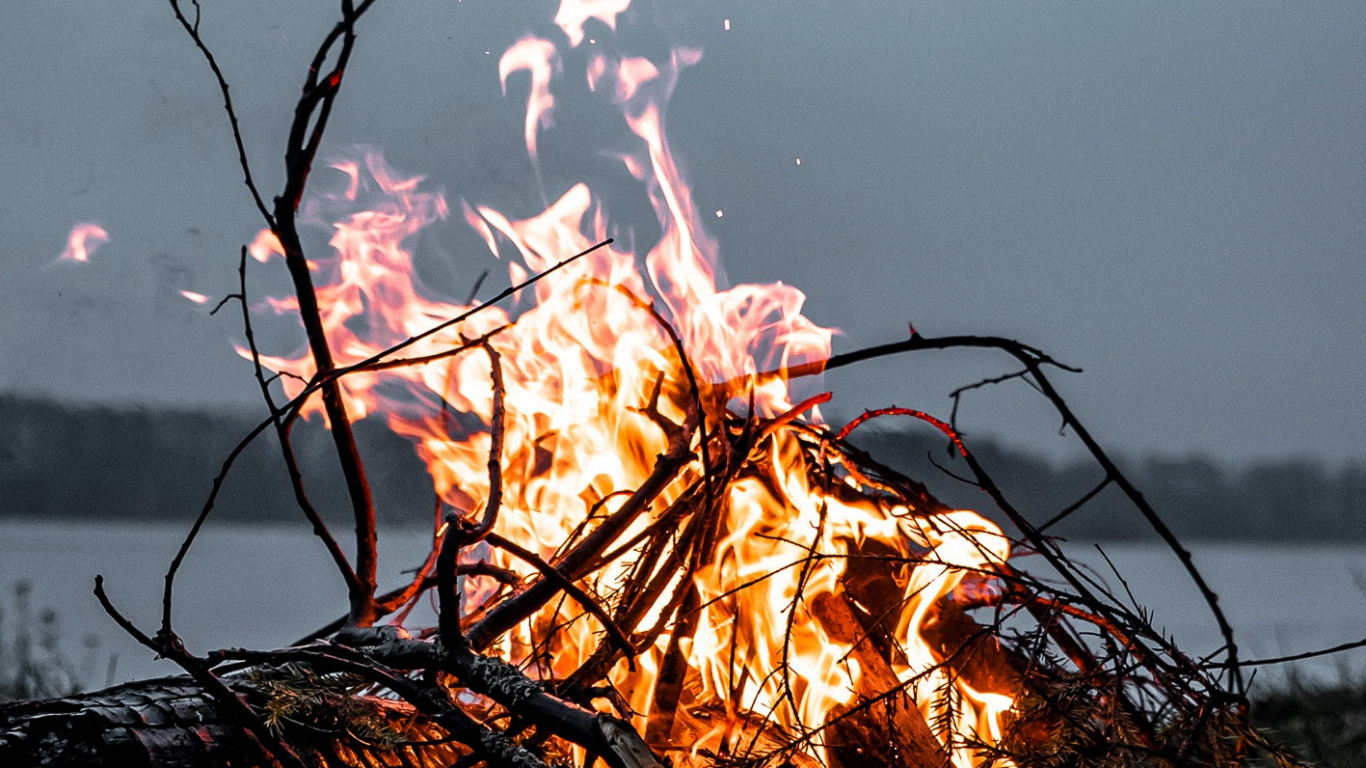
{"points": [[83, 241], [594, 381]]}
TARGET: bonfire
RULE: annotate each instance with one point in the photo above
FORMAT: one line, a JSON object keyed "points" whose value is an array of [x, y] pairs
{"points": [[646, 550]]}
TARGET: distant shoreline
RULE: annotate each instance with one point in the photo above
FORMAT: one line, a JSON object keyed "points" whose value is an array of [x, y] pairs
{"points": [[79, 461]]}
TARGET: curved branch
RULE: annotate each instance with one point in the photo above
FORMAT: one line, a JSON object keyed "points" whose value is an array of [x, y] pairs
{"points": [[1033, 360]]}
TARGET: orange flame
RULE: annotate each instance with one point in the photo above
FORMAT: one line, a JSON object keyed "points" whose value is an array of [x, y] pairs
{"points": [[265, 245], [583, 359], [84, 240]]}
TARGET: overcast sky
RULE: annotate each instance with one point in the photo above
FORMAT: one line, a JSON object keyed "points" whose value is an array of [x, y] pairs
{"points": [[1171, 195]]}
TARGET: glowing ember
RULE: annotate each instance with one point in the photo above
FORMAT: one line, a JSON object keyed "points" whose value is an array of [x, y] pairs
{"points": [[592, 381], [84, 240]]}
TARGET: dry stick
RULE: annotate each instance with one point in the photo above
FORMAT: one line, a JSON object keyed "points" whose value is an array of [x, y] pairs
{"points": [[589, 603], [1076, 505], [457, 534], [523, 604], [408, 362], [984, 481], [204, 511], [351, 14], [291, 409], [430, 700], [495, 463], [397, 598], [314, 106], [1295, 656], [448, 615], [283, 427], [1033, 360], [193, 30], [169, 646]]}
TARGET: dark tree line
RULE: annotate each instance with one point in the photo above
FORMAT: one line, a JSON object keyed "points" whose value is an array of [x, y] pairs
{"points": [[60, 459], [1199, 497], [140, 463]]}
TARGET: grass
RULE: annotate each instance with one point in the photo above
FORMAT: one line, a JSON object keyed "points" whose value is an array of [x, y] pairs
{"points": [[1323, 722], [35, 662]]}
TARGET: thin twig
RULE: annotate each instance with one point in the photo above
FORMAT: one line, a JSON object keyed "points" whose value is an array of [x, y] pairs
{"points": [[495, 462], [168, 645], [193, 30]]}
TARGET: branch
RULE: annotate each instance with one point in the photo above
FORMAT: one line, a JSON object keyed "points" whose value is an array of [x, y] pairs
{"points": [[283, 426], [193, 30], [1034, 360], [523, 604], [169, 646]]}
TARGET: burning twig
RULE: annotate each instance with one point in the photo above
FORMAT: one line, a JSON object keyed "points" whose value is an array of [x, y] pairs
{"points": [[1034, 360], [517, 608]]}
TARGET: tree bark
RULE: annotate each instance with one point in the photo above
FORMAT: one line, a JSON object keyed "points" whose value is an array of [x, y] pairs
{"points": [[172, 723]]}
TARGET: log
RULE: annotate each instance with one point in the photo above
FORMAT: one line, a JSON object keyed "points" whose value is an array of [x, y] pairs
{"points": [[173, 723], [884, 728]]}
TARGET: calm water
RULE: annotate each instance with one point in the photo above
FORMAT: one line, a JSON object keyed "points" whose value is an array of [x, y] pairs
{"points": [[266, 587]]}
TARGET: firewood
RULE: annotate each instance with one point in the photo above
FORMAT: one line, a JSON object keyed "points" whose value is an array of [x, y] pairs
{"points": [[174, 723], [883, 727]]}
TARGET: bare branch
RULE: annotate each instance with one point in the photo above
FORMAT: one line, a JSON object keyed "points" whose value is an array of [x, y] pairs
{"points": [[193, 30]]}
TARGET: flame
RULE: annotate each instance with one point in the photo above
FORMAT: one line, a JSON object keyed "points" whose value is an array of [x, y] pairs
{"points": [[542, 61], [589, 373], [265, 245], [84, 240], [573, 14]]}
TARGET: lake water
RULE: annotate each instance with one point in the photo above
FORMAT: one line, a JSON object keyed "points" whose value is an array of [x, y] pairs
{"points": [[265, 587]]}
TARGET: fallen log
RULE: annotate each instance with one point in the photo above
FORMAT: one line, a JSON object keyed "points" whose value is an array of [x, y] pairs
{"points": [[173, 723]]}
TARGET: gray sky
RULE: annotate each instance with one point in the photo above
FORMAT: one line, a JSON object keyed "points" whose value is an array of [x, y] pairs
{"points": [[1171, 195]]}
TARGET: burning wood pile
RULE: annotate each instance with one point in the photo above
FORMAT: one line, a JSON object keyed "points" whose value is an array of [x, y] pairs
{"points": [[646, 549]]}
